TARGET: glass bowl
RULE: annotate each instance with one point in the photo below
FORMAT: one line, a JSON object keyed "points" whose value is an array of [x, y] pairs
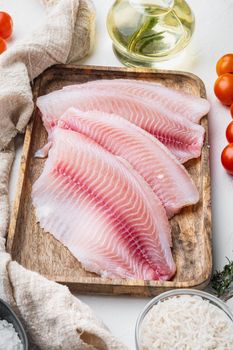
{"points": [[176, 293], [6, 313]]}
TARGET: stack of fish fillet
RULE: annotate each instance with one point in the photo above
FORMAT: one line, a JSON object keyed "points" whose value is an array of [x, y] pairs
{"points": [[114, 173]]}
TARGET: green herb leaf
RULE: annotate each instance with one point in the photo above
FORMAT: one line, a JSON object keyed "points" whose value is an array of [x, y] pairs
{"points": [[222, 281]]}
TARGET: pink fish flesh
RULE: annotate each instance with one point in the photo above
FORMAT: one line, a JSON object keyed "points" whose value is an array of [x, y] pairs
{"points": [[160, 169], [178, 102], [182, 137], [102, 210]]}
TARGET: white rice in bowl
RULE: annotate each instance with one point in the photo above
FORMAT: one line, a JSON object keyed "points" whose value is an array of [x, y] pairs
{"points": [[186, 322]]}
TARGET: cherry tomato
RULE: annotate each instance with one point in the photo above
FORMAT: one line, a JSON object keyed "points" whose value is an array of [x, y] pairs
{"points": [[227, 158], [229, 132], [3, 45], [231, 110], [225, 64], [6, 25], [223, 88]]}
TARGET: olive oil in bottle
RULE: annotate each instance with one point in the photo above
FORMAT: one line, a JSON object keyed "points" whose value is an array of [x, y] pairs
{"points": [[146, 31]]}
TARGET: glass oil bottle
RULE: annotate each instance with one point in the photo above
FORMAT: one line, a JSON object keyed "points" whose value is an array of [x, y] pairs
{"points": [[146, 31]]}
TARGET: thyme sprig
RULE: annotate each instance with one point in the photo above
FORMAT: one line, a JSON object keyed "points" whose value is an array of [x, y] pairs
{"points": [[222, 281]]}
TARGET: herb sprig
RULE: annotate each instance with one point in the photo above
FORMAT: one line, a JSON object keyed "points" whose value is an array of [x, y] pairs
{"points": [[222, 281]]}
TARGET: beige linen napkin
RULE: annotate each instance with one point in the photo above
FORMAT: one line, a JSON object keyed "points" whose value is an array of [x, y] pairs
{"points": [[53, 317]]}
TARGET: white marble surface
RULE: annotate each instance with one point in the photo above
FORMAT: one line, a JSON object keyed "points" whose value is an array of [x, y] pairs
{"points": [[212, 39]]}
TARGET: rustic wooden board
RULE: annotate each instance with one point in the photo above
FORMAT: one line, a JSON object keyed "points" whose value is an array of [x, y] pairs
{"points": [[191, 229]]}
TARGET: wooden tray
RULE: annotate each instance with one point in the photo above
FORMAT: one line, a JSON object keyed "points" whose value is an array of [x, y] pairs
{"points": [[191, 229]]}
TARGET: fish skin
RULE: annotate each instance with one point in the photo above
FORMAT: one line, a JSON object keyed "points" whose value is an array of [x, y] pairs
{"points": [[150, 158], [186, 105], [102, 210], [182, 137]]}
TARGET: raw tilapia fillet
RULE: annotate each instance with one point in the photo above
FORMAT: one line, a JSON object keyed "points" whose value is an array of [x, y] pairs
{"points": [[181, 103], [161, 170], [102, 210], [182, 137]]}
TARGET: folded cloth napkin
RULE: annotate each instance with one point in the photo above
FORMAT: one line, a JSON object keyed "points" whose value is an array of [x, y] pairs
{"points": [[53, 317]]}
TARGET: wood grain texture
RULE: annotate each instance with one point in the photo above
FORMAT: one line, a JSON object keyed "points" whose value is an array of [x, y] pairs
{"points": [[191, 229]]}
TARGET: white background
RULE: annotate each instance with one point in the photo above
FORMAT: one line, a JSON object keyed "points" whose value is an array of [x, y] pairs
{"points": [[212, 39]]}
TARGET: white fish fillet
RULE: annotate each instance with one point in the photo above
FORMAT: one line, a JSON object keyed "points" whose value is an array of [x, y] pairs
{"points": [[165, 175], [102, 210], [178, 102], [183, 138]]}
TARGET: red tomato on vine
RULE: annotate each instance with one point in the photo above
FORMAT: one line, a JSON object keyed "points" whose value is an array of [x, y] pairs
{"points": [[6, 25]]}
